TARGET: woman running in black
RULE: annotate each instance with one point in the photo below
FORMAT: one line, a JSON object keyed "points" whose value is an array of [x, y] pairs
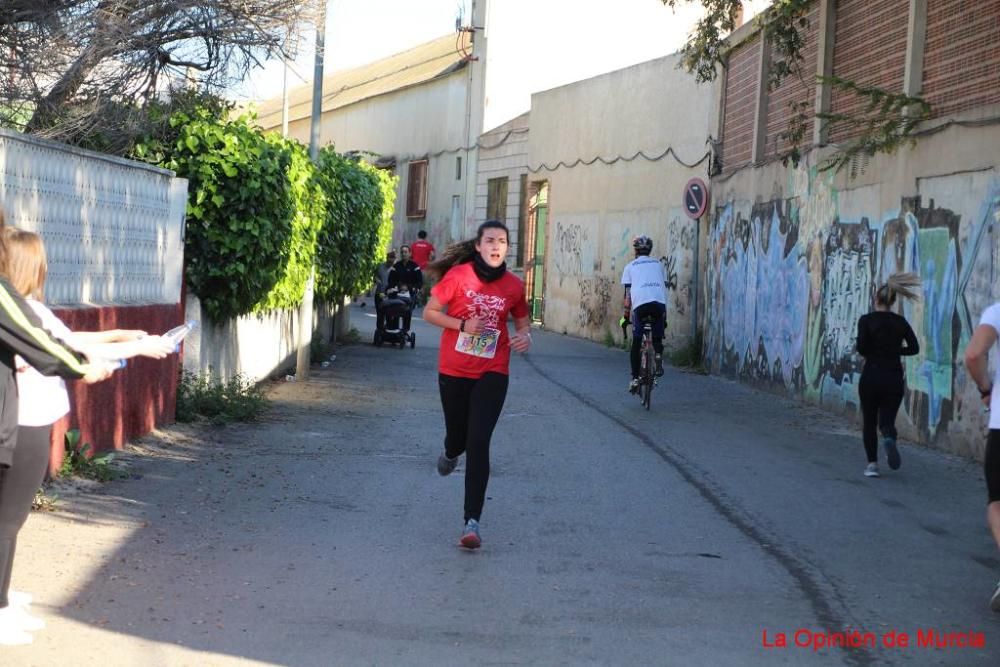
{"points": [[884, 337]]}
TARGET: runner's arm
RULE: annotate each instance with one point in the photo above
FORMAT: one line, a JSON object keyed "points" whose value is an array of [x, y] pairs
{"points": [[977, 357]]}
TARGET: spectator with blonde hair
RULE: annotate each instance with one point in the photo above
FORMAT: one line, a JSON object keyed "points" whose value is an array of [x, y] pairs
{"points": [[43, 400]]}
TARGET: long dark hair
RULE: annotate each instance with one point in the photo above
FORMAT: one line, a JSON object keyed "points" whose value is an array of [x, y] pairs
{"points": [[463, 251]]}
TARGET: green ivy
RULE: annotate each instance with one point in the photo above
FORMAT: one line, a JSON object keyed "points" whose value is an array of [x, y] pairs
{"points": [[261, 215], [310, 210], [358, 224]]}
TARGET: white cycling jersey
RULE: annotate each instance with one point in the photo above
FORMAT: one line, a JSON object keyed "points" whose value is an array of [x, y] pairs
{"points": [[648, 282]]}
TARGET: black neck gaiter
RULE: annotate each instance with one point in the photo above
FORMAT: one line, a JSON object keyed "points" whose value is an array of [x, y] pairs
{"points": [[486, 272]]}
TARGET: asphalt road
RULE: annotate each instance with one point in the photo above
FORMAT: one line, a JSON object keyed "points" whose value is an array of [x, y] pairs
{"points": [[611, 535]]}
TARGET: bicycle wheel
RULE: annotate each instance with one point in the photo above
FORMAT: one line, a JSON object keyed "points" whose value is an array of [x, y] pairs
{"points": [[648, 371]]}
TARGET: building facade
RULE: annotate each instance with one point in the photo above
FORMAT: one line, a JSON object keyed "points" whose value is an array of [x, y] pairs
{"points": [[418, 113], [794, 253]]}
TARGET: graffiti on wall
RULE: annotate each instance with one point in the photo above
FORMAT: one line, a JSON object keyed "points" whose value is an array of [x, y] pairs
{"points": [[758, 292], [595, 301], [573, 252], [676, 256], [783, 308]]}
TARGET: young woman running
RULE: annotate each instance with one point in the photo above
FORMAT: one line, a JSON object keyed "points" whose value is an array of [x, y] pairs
{"points": [[42, 402], [471, 303], [884, 337]]}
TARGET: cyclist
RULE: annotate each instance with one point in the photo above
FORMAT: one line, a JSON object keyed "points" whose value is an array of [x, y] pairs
{"points": [[645, 298]]}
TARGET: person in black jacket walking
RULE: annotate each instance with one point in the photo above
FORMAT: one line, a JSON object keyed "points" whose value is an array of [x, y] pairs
{"points": [[883, 338]]}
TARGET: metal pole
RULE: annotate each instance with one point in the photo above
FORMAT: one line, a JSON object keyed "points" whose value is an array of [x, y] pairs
{"points": [[306, 310], [284, 100]]}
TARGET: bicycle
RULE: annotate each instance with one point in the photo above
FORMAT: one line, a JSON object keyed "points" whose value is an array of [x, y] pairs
{"points": [[647, 365]]}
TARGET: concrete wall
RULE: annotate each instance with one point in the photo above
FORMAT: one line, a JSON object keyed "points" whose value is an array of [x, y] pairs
{"points": [[503, 153], [113, 231], [256, 346], [795, 253], [596, 209]]}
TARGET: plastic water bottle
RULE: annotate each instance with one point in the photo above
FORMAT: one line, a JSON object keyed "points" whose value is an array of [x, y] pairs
{"points": [[112, 364], [178, 333]]}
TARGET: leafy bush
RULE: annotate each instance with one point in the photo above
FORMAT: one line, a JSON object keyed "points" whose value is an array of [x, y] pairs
{"points": [[240, 210], [219, 401], [358, 225], [80, 460], [261, 215]]}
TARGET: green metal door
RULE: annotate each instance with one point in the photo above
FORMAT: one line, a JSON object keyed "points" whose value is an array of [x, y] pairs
{"points": [[538, 278]]}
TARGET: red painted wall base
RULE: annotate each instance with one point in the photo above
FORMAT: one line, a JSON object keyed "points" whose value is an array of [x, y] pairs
{"points": [[135, 399]]}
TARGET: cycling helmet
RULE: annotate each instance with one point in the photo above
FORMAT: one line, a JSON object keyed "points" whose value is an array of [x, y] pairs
{"points": [[642, 245]]}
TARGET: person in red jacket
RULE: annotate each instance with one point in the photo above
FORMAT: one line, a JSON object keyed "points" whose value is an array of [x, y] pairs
{"points": [[423, 250], [471, 302]]}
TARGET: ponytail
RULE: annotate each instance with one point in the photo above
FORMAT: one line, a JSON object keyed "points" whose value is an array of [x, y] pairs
{"points": [[455, 254], [906, 285]]}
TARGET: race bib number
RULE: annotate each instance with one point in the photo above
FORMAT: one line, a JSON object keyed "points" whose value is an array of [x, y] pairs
{"points": [[483, 345]]}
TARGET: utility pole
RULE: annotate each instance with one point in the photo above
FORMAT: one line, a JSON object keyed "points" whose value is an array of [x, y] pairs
{"points": [[306, 310]]}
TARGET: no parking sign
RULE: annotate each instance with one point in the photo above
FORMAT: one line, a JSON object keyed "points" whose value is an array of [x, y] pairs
{"points": [[695, 198]]}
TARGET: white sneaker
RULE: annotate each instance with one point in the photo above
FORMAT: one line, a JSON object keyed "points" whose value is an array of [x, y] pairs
{"points": [[11, 631], [871, 470], [23, 619], [19, 598], [995, 600]]}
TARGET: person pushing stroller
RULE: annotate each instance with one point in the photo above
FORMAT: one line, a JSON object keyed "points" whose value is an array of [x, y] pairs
{"points": [[405, 276]]}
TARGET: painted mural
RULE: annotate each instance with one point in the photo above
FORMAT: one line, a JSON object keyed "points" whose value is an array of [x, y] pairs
{"points": [[788, 279]]}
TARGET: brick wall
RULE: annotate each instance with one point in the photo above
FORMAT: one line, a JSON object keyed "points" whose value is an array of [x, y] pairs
{"points": [[741, 95], [796, 88], [962, 55], [869, 49]]}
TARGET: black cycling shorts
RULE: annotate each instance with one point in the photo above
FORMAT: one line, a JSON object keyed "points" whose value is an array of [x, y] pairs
{"points": [[991, 465], [655, 312]]}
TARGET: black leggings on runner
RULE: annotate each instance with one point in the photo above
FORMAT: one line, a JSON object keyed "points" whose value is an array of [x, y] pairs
{"points": [[471, 410], [881, 393], [991, 465], [18, 484]]}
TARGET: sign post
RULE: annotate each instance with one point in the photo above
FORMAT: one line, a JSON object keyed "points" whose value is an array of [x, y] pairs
{"points": [[695, 205]]}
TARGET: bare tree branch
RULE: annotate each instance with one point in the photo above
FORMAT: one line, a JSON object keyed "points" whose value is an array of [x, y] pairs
{"points": [[72, 59]]}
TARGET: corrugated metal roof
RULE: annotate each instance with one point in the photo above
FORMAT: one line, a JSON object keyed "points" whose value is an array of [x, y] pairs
{"points": [[420, 64]]}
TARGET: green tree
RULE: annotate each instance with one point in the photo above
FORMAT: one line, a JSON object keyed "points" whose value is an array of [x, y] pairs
{"points": [[357, 227]]}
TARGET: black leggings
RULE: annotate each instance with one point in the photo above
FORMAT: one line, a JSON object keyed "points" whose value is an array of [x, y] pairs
{"points": [[991, 465], [652, 310], [881, 393], [471, 410], [18, 484]]}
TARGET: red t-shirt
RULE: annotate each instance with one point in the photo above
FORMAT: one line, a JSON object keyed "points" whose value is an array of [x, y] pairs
{"points": [[466, 296], [421, 251]]}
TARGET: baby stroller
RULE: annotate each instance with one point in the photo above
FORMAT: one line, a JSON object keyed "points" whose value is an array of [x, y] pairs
{"points": [[392, 312]]}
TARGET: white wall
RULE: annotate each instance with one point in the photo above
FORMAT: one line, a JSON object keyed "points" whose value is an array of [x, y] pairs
{"points": [[595, 210], [256, 346], [425, 121], [113, 228]]}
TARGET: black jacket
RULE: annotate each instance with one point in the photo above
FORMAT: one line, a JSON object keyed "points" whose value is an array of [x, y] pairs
{"points": [[408, 274], [21, 333], [884, 337]]}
